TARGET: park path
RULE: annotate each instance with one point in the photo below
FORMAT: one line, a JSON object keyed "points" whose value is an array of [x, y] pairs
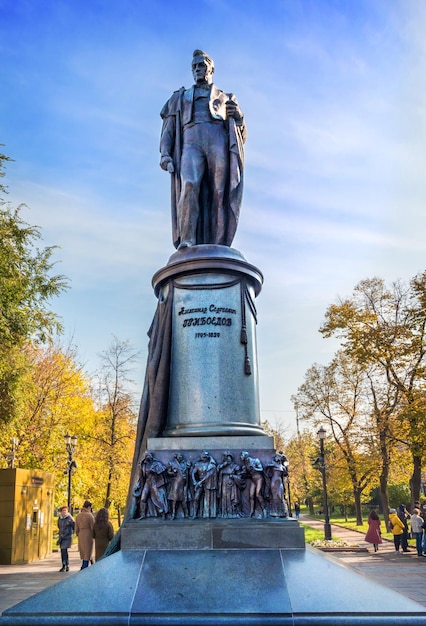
{"points": [[19, 582], [402, 572]]}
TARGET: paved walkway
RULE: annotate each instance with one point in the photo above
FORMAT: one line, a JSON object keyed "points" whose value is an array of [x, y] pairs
{"points": [[405, 573], [19, 582]]}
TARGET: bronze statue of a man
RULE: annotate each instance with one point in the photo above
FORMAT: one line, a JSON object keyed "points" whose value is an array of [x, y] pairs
{"points": [[202, 147]]}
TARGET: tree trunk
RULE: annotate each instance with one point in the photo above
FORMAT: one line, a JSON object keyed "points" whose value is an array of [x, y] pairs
{"points": [[384, 474], [384, 498], [310, 504], [108, 491], [416, 479], [358, 507]]}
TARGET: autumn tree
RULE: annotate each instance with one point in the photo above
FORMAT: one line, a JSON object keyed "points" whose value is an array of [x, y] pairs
{"points": [[115, 429], [384, 328], [306, 483], [57, 401], [383, 402], [335, 394]]}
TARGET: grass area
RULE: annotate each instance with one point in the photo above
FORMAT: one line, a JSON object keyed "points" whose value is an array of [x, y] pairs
{"points": [[312, 534], [351, 523]]}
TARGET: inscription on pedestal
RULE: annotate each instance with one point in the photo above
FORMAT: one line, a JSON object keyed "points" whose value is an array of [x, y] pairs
{"points": [[212, 316], [212, 391]]}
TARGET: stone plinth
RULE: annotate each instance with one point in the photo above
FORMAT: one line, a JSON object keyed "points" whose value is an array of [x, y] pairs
{"points": [[156, 534], [213, 369]]}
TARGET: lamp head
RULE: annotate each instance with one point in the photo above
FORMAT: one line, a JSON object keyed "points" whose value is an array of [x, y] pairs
{"points": [[321, 433]]}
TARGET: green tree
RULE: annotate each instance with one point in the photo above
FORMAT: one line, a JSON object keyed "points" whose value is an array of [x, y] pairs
{"points": [[26, 288], [3, 159]]}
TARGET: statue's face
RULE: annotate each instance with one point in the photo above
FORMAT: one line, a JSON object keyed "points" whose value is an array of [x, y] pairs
{"points": [[202, 71]]}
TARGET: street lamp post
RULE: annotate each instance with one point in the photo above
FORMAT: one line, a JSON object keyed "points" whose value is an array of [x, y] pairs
{"points": [[70, 443], [327, 528]]}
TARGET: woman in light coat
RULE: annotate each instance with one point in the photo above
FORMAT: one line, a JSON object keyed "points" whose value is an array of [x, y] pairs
{"points": [[417, 530], [84, 523]]}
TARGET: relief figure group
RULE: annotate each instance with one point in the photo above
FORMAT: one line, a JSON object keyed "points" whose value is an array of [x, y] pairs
{"points": [[179, 488]]}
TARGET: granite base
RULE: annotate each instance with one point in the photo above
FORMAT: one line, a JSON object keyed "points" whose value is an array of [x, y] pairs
{"points": [[216, 588]]}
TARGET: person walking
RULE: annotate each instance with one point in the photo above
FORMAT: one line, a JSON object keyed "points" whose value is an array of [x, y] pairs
{"points": [[423, 515], [84, 523], [417, 530], [404, 516], [103, 532], [373, 534], [66, 527], [397, 529], [297, 510]]}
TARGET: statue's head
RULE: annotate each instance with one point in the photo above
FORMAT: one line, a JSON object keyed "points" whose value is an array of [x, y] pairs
{"points": [[202, 67]]}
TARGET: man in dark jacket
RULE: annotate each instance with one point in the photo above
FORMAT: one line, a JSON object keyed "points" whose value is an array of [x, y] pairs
{"points": [[66, 530], [404, 516]]}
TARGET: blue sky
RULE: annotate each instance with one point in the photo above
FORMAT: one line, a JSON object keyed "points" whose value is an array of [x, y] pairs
{"points": [[334, 97]]}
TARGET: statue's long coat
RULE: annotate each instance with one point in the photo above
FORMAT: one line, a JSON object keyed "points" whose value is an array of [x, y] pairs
{"points": [[176, 113]]}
